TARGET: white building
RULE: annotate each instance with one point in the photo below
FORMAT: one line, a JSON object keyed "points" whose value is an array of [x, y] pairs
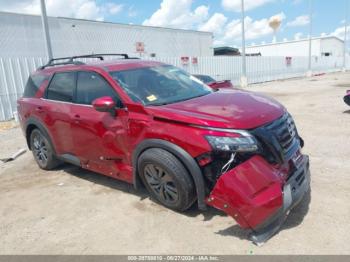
{"points": [[22, 35], [321, 46]]}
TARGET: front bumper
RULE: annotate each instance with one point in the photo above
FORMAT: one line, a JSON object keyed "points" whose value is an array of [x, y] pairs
{"points": [[257, 197]]}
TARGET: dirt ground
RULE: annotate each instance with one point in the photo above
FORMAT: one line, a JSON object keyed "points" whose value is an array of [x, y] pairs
{"points": [[7, 125], [73, 211]]}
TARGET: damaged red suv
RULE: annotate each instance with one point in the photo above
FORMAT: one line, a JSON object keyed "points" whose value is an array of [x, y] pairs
{"points": [[154, 125]]}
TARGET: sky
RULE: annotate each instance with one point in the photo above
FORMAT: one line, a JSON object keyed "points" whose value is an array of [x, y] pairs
{"points": [[221, 17]]}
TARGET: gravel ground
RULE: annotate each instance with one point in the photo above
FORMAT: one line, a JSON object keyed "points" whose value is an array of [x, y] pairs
{"points": [[74, 211]]}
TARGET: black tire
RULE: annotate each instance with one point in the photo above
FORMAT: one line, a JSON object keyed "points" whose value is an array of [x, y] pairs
{"points": [[166, 179], [43, 151]]}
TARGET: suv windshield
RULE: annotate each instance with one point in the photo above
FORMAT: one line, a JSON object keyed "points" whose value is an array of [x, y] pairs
{"points": [[160, 85]]}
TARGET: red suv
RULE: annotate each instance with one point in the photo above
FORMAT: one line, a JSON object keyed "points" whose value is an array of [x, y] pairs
{"points": [[154, 125]]}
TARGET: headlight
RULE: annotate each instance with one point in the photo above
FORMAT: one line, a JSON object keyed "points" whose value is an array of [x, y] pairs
{"points": [[233, 144]]}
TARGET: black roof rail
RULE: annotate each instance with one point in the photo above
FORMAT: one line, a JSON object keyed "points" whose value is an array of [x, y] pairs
{"points": [[72, 58], [70, 62]]}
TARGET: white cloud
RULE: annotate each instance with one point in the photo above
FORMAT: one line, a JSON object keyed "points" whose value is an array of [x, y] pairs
{"points": [[254, 29], [296, 2], [214, 24], [178, 14], [298, 35], [131, 11], [85, 9], [113, 8], [235, 5], [20, 6], [230, 34], [299, 21], [340, 32]]}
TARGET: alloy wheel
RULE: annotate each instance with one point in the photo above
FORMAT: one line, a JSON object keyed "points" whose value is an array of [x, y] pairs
{"points": [[40, 149], [161, 183]]}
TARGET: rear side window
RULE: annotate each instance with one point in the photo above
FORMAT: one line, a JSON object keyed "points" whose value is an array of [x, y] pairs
{"points": [[90, 86], [33, 84], [62, 87]]}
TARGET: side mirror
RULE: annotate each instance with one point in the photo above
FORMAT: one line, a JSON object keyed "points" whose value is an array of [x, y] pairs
{"points": [[104, 104]]}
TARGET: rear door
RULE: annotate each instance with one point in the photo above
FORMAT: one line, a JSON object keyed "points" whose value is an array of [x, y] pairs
{"points": [[100, 139], [56, 108]]}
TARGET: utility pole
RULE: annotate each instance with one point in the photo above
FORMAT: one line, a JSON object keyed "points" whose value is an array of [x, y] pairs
{"points": [[46, 29], [345, 34], [244, 80], [309, 72]]}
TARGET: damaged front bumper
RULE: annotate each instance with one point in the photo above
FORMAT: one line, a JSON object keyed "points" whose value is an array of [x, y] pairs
{"points": [[258, 197]]}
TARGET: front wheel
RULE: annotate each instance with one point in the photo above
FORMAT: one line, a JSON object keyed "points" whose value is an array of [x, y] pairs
{"points": [[166, 179], [42, 150]]}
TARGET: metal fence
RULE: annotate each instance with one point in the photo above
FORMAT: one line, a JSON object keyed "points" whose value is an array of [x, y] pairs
{"points": [[15, 71], [259, 69]]}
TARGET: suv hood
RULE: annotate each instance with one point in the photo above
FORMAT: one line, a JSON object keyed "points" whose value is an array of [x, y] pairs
{"points": [[223, 109]]}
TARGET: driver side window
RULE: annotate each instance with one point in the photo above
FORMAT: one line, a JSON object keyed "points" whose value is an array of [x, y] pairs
{"points": [[90, 86]]}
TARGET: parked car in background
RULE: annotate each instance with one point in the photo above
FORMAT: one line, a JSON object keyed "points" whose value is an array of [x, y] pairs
{"points": [[208, 80], [154, 125], [347, 97]]}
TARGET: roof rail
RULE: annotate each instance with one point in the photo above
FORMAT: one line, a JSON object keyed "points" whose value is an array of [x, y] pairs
{"points": [[72, 58]]}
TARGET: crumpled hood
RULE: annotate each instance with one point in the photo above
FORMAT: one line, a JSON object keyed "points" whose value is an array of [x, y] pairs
{"points": [[223, 109]]}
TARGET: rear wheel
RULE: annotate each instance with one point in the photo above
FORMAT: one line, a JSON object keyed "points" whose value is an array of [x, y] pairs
{"points": [[166, 179], [42, 150]]}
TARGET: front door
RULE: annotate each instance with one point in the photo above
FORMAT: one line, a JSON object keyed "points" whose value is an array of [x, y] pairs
{"points": [[100, 138]]}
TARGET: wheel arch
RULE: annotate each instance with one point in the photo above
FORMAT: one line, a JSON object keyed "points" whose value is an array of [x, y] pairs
{"points": [[186, 159], [33, 123]]}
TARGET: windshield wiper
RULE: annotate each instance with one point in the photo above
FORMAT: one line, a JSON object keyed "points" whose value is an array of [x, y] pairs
{"points": [[177, 101], [159, 104]]}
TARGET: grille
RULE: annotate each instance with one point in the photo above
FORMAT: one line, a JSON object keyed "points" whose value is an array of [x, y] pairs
{"points": [[285, 132], [300, 178], [279, 139]]}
